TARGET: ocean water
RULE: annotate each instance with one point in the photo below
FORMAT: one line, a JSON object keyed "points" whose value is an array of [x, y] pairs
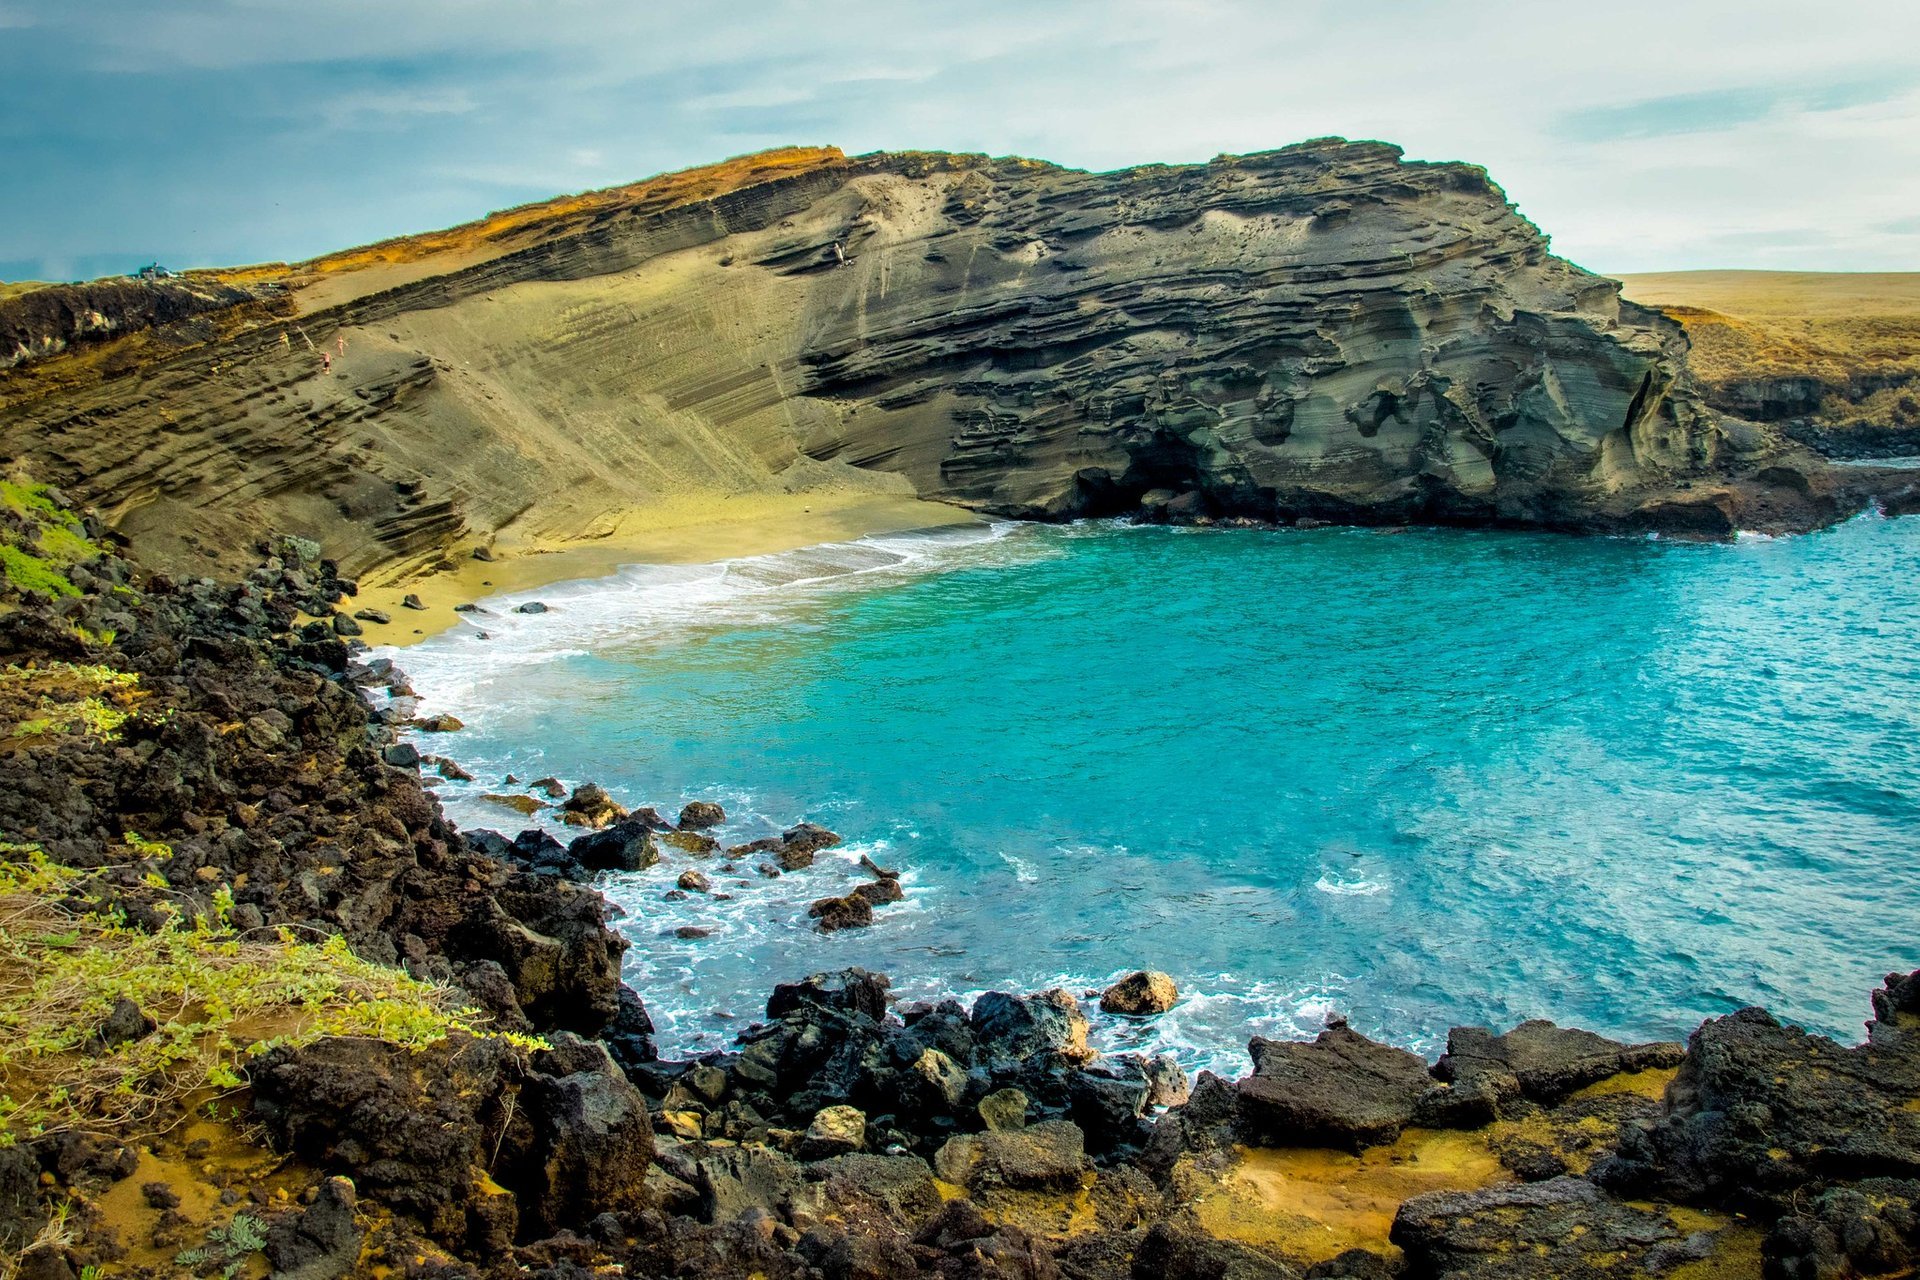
{"points": [[1419, 778]]}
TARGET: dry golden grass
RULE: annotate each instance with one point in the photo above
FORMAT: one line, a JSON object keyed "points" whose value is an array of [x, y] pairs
{"points": [[513, 228], [1826, 325]]}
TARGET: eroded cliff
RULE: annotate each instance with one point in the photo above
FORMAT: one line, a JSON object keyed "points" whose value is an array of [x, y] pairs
{"points": [[1325, 331]]}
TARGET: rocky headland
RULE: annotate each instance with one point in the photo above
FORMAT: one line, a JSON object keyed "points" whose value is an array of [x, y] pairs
{"points": [[1324, 332], [266, 1011]]}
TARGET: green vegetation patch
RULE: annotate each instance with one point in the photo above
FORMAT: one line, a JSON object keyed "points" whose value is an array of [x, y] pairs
{"points": [[40, 540], [64, 698], [104, 1025]]}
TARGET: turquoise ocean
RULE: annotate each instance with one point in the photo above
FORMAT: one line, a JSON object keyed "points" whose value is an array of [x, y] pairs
{"points": [[1419, 778]]}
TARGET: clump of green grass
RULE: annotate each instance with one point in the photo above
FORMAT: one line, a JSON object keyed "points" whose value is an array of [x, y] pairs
{"points": [[216, 998], [40, 540]]}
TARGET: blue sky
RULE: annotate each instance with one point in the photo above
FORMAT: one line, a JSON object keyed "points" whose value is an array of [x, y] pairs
{"points": [[1642, 136]]}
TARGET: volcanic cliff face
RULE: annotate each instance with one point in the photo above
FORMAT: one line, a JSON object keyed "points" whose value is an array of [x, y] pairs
{"points": [[1324, 331]]}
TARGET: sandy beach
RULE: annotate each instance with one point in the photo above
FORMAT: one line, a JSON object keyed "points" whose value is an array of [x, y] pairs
{"points": [[692, 529]]}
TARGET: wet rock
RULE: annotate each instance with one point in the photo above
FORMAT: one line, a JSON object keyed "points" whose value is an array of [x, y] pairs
{"points": [[880, 892], [692, 932], [1107, 1099], [1166, 1081], [1010, 1028], [1050, 1156], [835, 1131], [850, 912], [624, 846], [1341, 1090], [847, 991], [531, 607], [694, 881], [590, 806], [527, 806], [799, 844], [447, 769], [698, 815], [442, 723], [402, 755], [320, 1242], [550, 787], [693, 842], [1140, 994]]}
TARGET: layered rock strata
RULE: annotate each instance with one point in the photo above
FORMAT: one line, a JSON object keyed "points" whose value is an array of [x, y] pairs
{"points": [[1326, 332]]}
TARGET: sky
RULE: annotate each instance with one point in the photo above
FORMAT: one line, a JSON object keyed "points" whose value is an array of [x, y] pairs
{"points": [[1640, 135]]}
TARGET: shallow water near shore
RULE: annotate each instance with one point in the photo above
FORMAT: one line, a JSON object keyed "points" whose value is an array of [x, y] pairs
{"points": [[1420, 778]]}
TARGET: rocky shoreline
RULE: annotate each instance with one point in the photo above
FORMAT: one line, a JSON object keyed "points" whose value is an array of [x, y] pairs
{"points": [[247, 790]]}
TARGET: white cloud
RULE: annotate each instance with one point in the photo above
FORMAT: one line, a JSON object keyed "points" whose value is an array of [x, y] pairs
{"points": [[1784, 121]]}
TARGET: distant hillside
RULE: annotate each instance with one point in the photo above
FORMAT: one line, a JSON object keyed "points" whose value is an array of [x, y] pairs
{"points": [[1833, 356]]}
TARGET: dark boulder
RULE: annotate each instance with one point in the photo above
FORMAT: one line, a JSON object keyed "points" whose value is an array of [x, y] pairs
{"points": [[1009, 1028], [629, 1038], [413, 1128], [1168, 1253], [799, 844], [319, 1242], [593, 1141], [1482, 1073], [1050, 1156], [698, 815], [624, 846], [1341, 1090], [1760, 1110], [847, 991], [1564, 1228], [124, 1023], [850, 912]]}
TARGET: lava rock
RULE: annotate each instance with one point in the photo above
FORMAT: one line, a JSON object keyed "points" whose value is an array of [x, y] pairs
{"points": [[849, 912], [835, 1131], [699, 815], [624, 846], [1341, 1090], [1049, 1156], [1011, 1028], [1140, 994]]}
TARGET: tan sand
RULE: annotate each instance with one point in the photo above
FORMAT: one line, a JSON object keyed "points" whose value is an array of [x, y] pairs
{"points": [[689, 529]]}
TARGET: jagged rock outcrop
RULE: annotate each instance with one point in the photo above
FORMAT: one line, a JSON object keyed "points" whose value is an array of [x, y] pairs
{"points": [[1324, 331]]}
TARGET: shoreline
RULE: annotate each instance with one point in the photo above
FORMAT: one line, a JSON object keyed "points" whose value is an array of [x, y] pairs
{"points": [[689, 530]]}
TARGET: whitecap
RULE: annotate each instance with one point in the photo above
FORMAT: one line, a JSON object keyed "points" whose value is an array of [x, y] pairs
{"points": [[1361, 888]]}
